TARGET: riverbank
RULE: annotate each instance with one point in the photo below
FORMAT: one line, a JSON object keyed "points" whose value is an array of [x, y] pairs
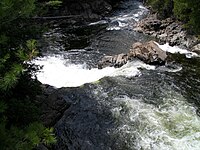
{"points": [[168, 30]]}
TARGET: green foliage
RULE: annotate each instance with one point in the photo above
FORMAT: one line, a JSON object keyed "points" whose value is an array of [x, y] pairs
{"points": [[26, 139], [164, 7], [188, 11], [48, 7], [184, 10], [13, 9], [55, 3], [19, 113]]}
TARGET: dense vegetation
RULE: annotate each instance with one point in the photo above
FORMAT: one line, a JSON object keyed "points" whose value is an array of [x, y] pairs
{"points": [[19, 112], [184, 10]]}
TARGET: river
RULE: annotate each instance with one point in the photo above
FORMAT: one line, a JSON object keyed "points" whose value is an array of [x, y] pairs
{"points": [[135, 107]]}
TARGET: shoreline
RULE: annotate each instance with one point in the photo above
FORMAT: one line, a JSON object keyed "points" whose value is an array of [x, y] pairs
{"points": [[169, 31]]}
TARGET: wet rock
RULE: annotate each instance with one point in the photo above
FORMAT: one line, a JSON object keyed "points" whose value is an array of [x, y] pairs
{"points": [[148, 52], [167, 30], [116, 61], [152, 25], [196, 49], [174, 40], [54, 103]]}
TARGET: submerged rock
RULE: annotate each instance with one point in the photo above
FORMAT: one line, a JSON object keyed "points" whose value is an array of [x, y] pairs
{"points": [[148, 52]]}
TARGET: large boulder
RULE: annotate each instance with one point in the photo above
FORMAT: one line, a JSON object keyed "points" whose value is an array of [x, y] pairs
{"points": [[148, 52]]}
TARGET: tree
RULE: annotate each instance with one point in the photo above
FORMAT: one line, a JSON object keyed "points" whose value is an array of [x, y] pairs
{"points": [[184, 10], [19, 126], [188, 11]]}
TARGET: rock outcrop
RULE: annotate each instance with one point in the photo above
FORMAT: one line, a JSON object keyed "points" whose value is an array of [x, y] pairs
{"points": [[167, 30], [148, 52]]}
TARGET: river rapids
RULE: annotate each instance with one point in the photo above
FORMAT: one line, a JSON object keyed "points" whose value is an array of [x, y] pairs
{"points": [[135, 107]]}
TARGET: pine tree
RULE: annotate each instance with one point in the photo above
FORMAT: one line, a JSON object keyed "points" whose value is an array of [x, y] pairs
{"points": [[19, 126]]}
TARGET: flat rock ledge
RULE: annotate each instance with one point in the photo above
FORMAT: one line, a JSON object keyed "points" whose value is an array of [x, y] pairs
{"points": [[148, 52], [166, 31]]}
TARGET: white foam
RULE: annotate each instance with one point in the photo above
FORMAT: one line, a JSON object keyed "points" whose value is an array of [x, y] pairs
{"points": [[113, 28], [170, 69], [175, 49], [142, 7], [98, 22], [172, 125], [123, 21], [59, 72]]}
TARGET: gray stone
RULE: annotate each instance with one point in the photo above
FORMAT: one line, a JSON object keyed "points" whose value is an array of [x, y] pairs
{"points": [[149, 52], [196, 49]]}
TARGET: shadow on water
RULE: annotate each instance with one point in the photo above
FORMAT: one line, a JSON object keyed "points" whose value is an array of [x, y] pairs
{"points": [[188, 79], [89, 123]]}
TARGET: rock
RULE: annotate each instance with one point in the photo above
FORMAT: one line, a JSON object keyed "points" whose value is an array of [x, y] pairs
{"points": [[106, 61], [148, 52], [167, 30], [116, 61], [54, 103], [138, 29], [172, 27], [153, 24], [121, 60], [174, 40], [196, 49], [163, 36]]}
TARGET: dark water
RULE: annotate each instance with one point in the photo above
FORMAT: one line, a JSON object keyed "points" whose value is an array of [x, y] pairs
{"points": [[154, 109]]}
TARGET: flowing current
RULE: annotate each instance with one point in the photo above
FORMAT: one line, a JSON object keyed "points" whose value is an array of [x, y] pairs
{"points": [[135, 107]]}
